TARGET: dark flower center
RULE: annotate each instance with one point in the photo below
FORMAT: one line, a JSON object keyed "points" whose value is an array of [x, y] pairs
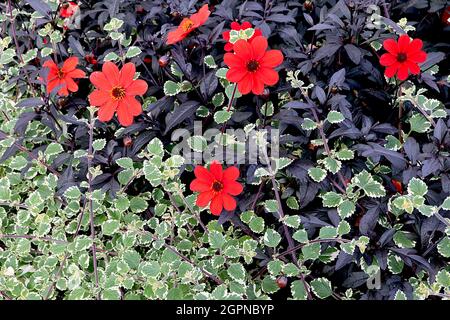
{"points": [[60, 74], [252, 65], [401, 57], [118, 93], [217, 186]]}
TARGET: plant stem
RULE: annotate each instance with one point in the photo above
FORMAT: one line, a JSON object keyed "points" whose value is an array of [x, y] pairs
{"points": [[196, 215], [442, 219], [30, 154], [59, 272], [400, 116], [309, 242], [91, 209], [230, 103], [16, 42], [27, 236], [206, 273], [16, 205], [291, 245]]}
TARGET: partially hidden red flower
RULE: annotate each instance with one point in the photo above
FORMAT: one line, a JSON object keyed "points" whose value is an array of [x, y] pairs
{"points": [[445, 18], [63, 77], [216, 187], [251, 66], [68, 9], [90, 58], [402, 57], [397, 185], [188, 25], [115, 93], [236, 26]]}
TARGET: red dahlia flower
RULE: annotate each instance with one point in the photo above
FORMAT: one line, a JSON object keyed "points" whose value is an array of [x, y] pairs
{"points": [[236, 26], [216, 186], [68, 9], [115, 93], [63, 77], [188, 25], [402, 56], [251, 66]]}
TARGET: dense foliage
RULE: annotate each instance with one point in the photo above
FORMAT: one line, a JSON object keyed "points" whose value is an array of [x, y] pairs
{"points": [[96, 204]]}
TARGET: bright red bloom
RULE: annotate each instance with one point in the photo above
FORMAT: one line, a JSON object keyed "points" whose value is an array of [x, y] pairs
{"points": [[397, 185], [188, 25], [115, 93], [216, 186], [251, 66], [402, 56], [68, 9], [236, 26], [63, 77]]}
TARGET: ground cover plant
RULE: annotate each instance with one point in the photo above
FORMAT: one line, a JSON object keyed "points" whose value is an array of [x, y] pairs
{"points": [[230, 149]]}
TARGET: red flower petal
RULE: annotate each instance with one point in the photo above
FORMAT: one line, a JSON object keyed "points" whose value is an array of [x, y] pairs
{"points": [[216, 169], [413, 67], [230, 174], [137, 87], [127, 74], [415, 45], [391, 70], [402, 73], [391, 46], [258, 83], [52, 85], [133, 105], [100, 81], [228, 46], [52, 74], [271, 59], [418, 57], [175, 36], [268, 76], [235, 26], [199, 186], [257, 33], [70, 64], [106, 111], [259, 47], [226, 35], [201, 16], [204, 198], [245, 25], [63, 91], [233, 187], [50, 64], [71, 85], [236, 74], [403, 43], [124, 115], [387, 59], [243, 49], [216, 205], [229, 203], [99, 97], [203, 174], [77, 73], [246, 84], [232, 60], [111, 73]]}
